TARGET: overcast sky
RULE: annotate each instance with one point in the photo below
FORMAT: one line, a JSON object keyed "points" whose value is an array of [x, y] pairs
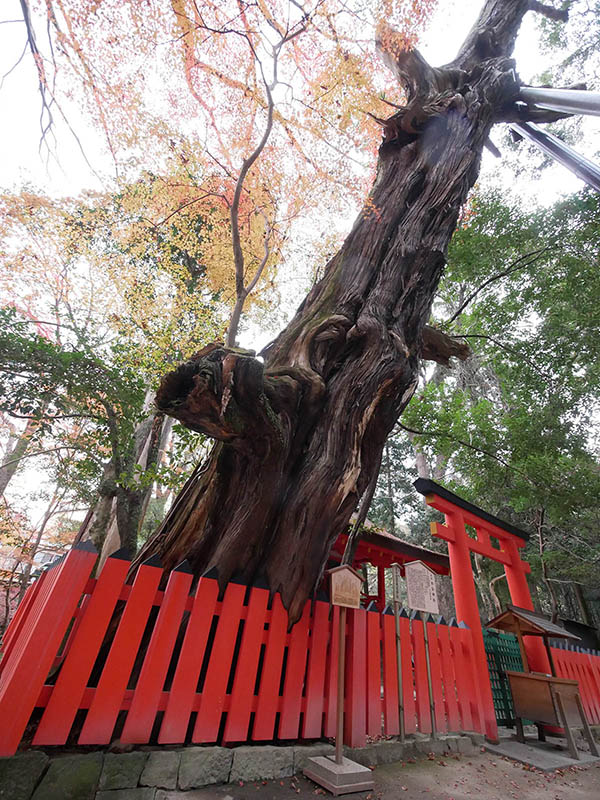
{"points": [[64, 170]]}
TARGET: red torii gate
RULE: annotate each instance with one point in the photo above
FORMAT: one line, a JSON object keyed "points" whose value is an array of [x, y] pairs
{"points": [[459, 513]]}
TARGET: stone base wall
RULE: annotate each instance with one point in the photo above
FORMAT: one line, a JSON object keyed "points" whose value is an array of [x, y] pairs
{"points": [[170, 774]]}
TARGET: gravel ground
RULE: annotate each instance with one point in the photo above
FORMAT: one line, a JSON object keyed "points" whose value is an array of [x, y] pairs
{"points": [[485, 777]]}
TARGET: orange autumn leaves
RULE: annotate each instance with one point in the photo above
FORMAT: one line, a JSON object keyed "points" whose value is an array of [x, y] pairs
{"points": [[186, 83]]}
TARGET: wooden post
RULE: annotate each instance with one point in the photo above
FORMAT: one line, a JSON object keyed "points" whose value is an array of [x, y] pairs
{"points": [[381, 588], [550, 657], [339, 735], [522, 649], [396, 601], [589, 736], [429, 686], [565, 724]]}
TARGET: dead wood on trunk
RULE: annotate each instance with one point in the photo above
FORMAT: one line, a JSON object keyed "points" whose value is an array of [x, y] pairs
{"points": [[299, 436]]}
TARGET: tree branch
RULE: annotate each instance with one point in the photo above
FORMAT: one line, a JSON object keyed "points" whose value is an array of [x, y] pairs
{"points": [[439, 347], [511, 350], [238, 254], [408, 65], [365, 503], [446, 435], [557, 14], [519, 263]]}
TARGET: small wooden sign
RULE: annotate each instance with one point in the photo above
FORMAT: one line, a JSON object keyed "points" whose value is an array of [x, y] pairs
{"points": [[396, 581], [346, 584], [421, 587]]}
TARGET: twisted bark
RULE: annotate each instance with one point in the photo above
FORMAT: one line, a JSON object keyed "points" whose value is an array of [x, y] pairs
{"points": [[299, 436]]}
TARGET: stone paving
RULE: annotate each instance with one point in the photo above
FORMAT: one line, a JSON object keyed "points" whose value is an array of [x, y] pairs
{"points": [[453, 767], [546, 756], [158, 774]]}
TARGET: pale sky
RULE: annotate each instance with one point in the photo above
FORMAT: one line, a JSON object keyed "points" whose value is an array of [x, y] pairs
{"points": [[20, 107]]}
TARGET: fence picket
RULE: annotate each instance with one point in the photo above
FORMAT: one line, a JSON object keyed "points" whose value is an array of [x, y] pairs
{"points": [[212, 703], [355, 716], [185, 680], [240, 707], [13, 627], [68, 691], [295, 668], [108, 696], [22, 681], [463, 677], [450, 701], [146, 697], [420, 669], [469, 663], [373, 684], [436, 677], [312, 724], [408, 688], [331, 675], [268, 692], [390, 677]]}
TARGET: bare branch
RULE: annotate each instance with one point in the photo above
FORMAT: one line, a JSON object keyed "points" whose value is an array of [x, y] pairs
{"points": [[40, 453], [522, 262], [557, 14], [15, 65], [365, 503], [238, 254], [511, 350], [46, 118], [469, 446]]}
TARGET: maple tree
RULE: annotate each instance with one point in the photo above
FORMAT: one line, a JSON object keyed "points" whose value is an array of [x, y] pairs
{"points": [[299, 435], [106, 299]]}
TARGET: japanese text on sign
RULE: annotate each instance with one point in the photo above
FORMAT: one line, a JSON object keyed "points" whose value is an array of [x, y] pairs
{"points": [[421, 587], [345, 587]]}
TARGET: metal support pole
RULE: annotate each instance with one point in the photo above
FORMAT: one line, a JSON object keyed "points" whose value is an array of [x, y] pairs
{"points": [[559, 151], [339, 737], [396, 601], [429, 684], [573, 101]]}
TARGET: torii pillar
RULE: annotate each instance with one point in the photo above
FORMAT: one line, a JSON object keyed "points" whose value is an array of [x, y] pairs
{"points": [[459, 513]]}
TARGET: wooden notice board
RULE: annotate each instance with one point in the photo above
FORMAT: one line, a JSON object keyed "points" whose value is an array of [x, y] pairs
{"points": [[421, 587]]}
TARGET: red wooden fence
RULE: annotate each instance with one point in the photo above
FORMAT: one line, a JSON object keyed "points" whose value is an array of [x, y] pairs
{"points": [[236, 674], [583, 666]]}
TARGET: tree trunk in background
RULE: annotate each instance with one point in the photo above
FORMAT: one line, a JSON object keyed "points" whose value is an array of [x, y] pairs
{"points": [[116, 518], [16, 448], [539, 523], [298, 437], [388, 470]]}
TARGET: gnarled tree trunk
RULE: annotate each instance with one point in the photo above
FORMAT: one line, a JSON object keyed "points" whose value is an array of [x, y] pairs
{"points": [[299, 436]]}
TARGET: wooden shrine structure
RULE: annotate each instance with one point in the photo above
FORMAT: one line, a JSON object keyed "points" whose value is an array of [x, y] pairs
{"points": [[382, 549], [469, 529], [190, 663], [545, 699]]}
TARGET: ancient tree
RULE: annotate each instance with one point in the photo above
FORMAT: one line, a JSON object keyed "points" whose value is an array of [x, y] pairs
{"points": [[299, 435]]}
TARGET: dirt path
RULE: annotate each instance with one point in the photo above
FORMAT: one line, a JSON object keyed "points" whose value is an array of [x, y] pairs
{"points": [[481, 777]]}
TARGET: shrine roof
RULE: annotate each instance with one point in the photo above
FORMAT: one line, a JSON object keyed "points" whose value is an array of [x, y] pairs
{"points": [[426, 487], [529, 623], [389, 548]]}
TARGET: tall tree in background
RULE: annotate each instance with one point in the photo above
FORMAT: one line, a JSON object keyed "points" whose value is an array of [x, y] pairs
{"points": [[106, 300], [515, 423], [300, 435]]}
